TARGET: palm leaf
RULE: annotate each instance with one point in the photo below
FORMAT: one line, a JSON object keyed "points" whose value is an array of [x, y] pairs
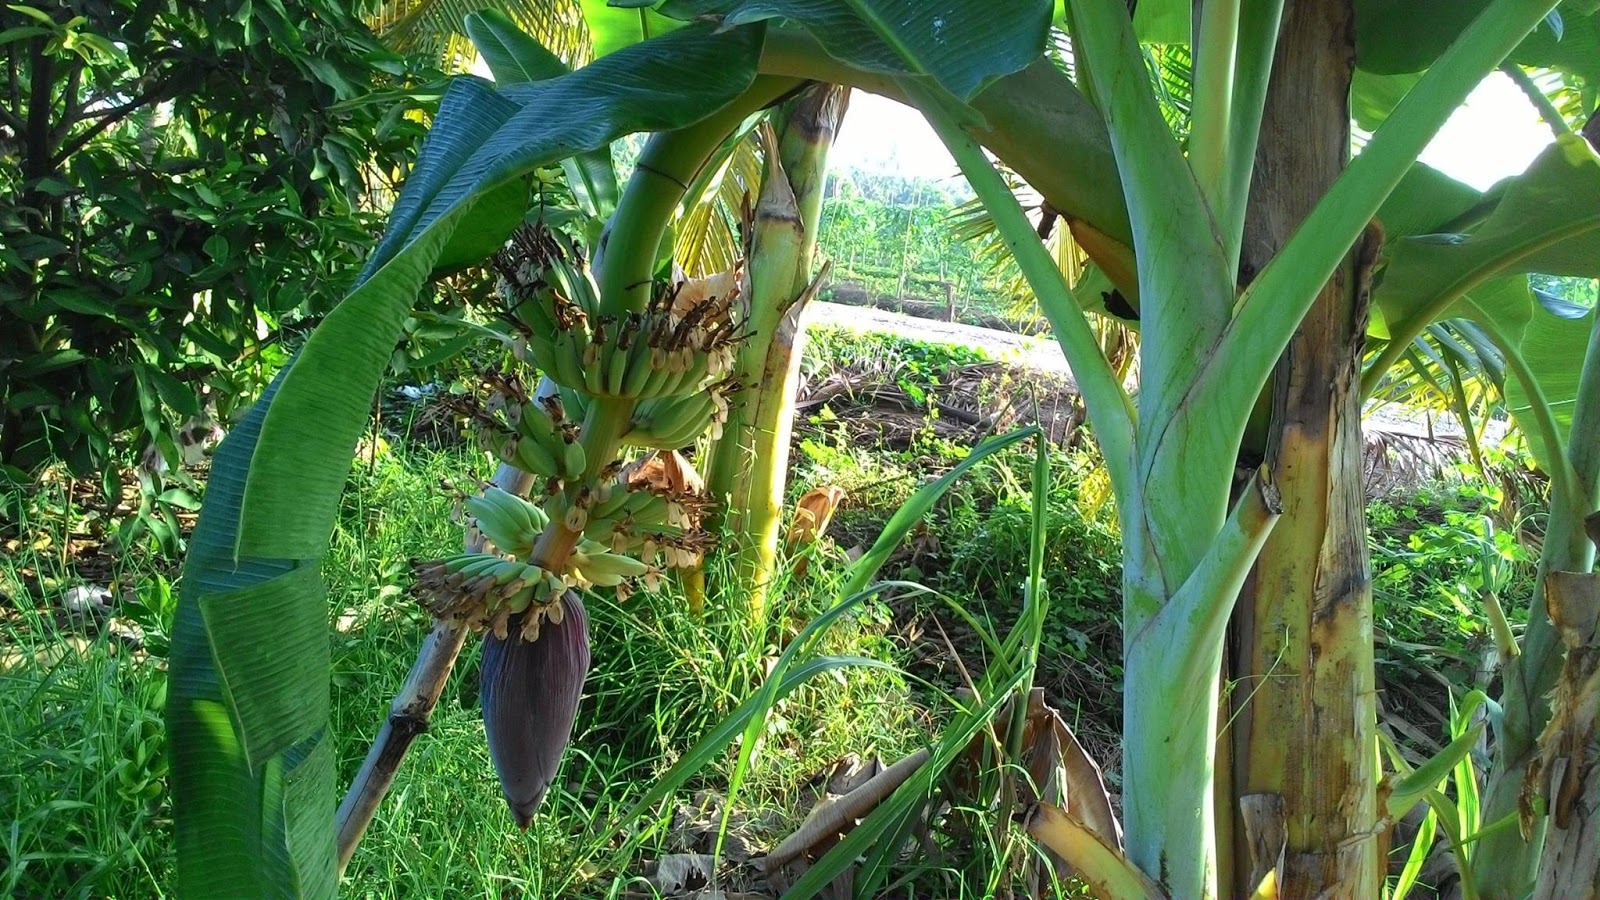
{"points": [[436, 28], [707, 233]]}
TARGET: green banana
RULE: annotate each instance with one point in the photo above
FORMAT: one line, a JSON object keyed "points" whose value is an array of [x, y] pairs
{"points": [[537, 424], [616, 368], [564, 368], [593, 375], [574, 460], [530, 456], [511, 523]]}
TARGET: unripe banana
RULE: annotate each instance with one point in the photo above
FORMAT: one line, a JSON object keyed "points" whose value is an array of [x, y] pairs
{"points": [[574, 460], [472, 565], [637, 375], [510, 522], [609, 503], [566, 358], [528, 516], [616, 367], [541, 349], [593, 374], [601, 561], [658, 375], [531, 456]]}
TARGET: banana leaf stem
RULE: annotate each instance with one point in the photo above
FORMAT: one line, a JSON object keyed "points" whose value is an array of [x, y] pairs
{"points": [[1210, 149], [1110, 408], [626, 258], [1547, 111]]}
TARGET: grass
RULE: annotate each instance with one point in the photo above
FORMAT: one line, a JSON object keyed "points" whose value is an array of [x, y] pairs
{"points": [[80, 709], [82, 731]]}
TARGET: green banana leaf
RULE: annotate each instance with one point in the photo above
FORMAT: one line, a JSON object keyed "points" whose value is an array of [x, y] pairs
{"points": [[963, 46], [1546, 220], [613, 26], [252, 766], [514, 57], [253, 774], [1399, 36]]}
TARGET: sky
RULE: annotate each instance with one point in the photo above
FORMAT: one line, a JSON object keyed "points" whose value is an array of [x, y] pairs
{"points": [[1495, 134]]}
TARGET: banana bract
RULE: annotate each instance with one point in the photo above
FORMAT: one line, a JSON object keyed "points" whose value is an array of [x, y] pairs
{"points": [[529, 692]]}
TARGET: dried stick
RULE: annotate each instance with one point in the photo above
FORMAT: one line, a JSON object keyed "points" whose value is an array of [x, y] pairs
{"points": [[412, 709]]}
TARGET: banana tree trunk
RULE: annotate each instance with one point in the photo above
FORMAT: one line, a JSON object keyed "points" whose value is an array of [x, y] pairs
{"points": [[1515, 856], [1302, 732], [749, 465]]}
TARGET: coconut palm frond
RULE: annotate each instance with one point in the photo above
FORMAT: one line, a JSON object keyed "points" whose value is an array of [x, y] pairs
{"points": [[434, 27], [1172, 75], [1061, 53], [1450, 370], [1554, 90]]}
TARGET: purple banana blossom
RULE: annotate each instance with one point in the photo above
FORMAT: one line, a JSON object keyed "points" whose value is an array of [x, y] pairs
{"points": [[529, 693]]}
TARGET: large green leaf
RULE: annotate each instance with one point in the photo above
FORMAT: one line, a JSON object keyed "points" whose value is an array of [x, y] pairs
{"points": [[1547, 221], [1374, 96], [512, 56], [1425, 200], [961, 45], [1398, 36], [482, 141], [253, 795], [517, 58], [612, 28], [1552, 347]]}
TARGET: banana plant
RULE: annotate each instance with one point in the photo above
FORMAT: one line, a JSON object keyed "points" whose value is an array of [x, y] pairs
{"points": [[248, 717], [1225, 281], [1469, 255]]}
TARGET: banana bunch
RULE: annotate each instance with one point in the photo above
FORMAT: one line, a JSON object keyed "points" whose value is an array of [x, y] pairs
{"points": [[614, 502], [511, 523], [668, 423], [685, 336], [541, 440], [485, 590]]}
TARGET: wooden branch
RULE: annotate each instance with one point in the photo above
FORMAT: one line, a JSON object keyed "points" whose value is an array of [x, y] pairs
{"points": [[70, 109], [111, 117], [36, 136]]}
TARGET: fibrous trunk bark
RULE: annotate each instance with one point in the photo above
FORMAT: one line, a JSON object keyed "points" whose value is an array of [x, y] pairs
{"points": [[1302, 695]]}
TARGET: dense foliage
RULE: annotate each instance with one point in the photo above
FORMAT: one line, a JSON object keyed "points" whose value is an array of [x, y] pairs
{"points": [[184, 189]]}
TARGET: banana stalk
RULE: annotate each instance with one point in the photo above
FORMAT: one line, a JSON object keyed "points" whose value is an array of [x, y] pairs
{"points": [[749, 465]]}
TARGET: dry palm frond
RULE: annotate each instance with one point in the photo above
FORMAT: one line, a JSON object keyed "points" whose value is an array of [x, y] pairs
{"points": [[1397, 459]]}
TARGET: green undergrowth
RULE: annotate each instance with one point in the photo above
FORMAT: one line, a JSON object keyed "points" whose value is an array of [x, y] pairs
{"points": [[82, 750], [81, 734]]}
